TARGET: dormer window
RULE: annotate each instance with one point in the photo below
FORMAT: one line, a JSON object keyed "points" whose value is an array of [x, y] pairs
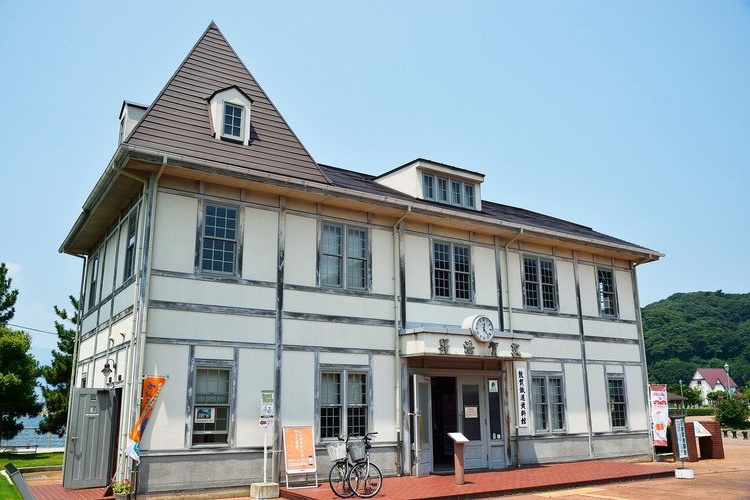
{"points": [[232, 120], [450, 191], [229, 110]]}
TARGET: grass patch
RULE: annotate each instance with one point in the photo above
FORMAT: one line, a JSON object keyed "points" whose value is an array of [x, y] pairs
{"points": [[8, 489], [21, 460]]}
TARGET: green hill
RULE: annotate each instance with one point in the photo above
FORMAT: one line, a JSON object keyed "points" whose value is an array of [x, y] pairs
{"points": [[697, 330]]}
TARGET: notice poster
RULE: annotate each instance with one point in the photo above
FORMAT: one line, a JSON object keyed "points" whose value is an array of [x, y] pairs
{"points": [[299, 450], [659, 413]]}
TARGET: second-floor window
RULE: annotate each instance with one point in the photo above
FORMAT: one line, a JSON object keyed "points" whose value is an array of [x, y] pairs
{"points": [[343, 259], [129, 266], [606, 292], [451, 271], [539, 283], [219, 246], [93, 279]]}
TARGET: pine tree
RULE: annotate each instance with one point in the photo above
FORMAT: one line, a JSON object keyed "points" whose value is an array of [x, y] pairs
{"points": [[57, 374], [18, 373], [8, 296]]}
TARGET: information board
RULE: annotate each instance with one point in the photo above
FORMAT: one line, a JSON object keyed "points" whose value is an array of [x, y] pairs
{"points": [[679, 428], [299, 450]]}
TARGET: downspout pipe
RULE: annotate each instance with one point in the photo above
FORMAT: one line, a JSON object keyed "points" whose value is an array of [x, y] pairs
{"points": [[510, 329], [143, 299], [584, 358], [642, 350], [76, 346], [396, 332]]}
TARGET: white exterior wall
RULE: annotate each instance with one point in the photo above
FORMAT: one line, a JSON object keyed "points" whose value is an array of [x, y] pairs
{"points": [[417, 258], [300, 252], [575, 400], [485, 275], [260, 247], [174, 241], [566, 287], [382, 261]]}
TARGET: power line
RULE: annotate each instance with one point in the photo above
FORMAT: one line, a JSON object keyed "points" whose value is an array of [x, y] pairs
{"points": [[32, 329]]}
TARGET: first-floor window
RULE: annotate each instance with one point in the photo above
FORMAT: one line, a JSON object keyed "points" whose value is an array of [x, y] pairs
{"points": [[211, 406], [547, 399], [343, 403], [617, 403]]}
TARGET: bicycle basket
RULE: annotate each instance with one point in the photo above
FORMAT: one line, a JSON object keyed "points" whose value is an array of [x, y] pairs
{"points": [[336, 451], [357, 451]]}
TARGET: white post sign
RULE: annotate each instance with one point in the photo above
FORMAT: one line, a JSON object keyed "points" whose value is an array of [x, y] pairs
{"points": [[522, 387], [266, 420]]}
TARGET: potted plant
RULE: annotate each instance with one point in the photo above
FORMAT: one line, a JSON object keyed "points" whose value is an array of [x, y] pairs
{"points": [[122, 489]]}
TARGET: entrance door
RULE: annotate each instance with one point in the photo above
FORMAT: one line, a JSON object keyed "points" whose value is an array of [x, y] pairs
{"points": [[422, 437], [88, 450], [473, 422]]}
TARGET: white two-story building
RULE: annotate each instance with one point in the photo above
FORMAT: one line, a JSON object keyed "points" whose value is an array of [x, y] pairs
{"points": [[219, 253]]}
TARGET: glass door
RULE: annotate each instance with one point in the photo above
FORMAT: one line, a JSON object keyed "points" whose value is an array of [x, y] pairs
{"points": [[422, 437], [473, 422]]}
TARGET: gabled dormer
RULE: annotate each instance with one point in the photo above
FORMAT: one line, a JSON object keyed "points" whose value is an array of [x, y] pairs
{"points": [[229, 109], [130, 114], [438, 182]]}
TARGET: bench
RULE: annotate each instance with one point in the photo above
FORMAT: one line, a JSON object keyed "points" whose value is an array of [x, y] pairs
{"points": [[18, 449]]}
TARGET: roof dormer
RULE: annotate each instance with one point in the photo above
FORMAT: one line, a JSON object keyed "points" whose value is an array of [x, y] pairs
{"points": [[438, 182], [230, 114]]}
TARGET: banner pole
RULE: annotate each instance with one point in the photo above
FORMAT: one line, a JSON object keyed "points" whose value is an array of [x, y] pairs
{"points": [[265, 452]]}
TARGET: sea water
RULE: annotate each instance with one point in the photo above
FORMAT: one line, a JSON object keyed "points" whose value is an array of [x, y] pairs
{"points": [[29, 436]]}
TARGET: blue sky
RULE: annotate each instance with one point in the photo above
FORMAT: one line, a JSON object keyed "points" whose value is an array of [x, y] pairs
{"points": [[629, 117]]}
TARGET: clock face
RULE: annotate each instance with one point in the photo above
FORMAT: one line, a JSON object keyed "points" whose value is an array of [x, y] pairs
{"points": [[482, 328]]}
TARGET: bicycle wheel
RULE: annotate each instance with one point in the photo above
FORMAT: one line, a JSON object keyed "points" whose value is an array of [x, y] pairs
{"points": [[366, 479], [338, 481]]}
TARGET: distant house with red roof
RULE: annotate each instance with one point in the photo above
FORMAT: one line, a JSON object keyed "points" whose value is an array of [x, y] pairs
{"points": [[711, 380]]}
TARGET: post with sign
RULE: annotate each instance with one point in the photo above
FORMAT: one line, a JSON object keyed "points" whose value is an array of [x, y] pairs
{"points": [[265, 489]]}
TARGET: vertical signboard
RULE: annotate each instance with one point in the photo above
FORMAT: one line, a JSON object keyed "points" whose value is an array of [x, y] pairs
{"points": [[682, 447], [659, 413], [523, 397]]}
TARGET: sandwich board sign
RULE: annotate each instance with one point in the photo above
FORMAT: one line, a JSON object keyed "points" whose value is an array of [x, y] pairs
{"points": [[299, 452]]}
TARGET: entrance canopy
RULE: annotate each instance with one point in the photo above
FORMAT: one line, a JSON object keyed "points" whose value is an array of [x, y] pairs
{"points": [[459, 343]]}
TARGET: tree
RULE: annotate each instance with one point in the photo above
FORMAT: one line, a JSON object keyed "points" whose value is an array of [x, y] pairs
{"points": [[7, 296], [57, 375], [18, 373], [733, 412]]}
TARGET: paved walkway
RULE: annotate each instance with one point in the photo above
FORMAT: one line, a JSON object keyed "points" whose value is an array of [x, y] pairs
{"points": [[726, 479]]}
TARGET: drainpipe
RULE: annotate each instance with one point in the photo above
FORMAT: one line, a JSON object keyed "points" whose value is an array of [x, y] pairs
{"points": [[76, 346], [396, 314], [142, 304], [510, 328], [584, 359], [642, 349]]}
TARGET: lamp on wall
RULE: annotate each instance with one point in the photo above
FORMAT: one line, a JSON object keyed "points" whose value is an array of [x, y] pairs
{"points": [[107, 370]]}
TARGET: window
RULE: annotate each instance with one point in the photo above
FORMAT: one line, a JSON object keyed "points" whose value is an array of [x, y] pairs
{"points": [[343, 261], [456, 193], [617, 405], [548, 406], [607, 292], [442, 190], [469, 195], [428, 187], [539, 283], [451, 271], [211, 406], [219, 248], [343, 403], [93, 275], [451, 192], [129, 267], [232, 120]]}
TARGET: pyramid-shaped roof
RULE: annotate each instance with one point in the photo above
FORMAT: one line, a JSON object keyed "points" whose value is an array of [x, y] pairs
{"points": [[178, 121]]}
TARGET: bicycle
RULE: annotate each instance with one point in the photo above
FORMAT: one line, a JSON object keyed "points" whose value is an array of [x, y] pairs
{"points": [[365, 478], [338, 478]]}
